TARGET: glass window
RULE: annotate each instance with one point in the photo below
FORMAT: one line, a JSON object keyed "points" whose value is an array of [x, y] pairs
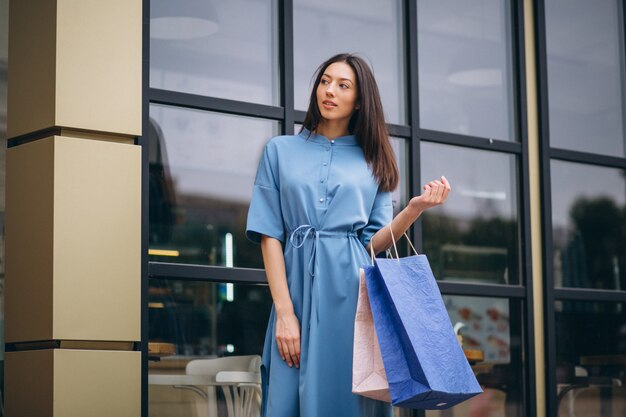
{"points": [[474, 235], [208, 318], [372, 28], [465, 67], [195, 325], [218, 48], [588, 226], [491, 339], [585, 53], [203, 321], [591, 358], [201, 185], [400, 195]]}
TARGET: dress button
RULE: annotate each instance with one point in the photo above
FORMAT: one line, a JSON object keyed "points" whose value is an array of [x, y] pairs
{"points": [[322, 180], [325, 163], [332, 141], [322, 200]]}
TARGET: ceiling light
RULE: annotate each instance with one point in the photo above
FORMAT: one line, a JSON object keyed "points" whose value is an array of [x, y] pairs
{"points": [[182, 19]]}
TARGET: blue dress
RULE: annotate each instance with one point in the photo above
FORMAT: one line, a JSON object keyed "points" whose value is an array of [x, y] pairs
{"points": [[319, 198]]}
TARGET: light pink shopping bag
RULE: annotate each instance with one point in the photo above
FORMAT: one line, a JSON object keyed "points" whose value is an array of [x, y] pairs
{"points": [[368, 372]]}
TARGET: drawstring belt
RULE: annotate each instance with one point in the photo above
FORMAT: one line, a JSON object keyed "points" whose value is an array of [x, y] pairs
{"points": [[296, 239]]}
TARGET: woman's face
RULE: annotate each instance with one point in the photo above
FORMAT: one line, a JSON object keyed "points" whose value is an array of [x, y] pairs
{"points": [[337, 92]]}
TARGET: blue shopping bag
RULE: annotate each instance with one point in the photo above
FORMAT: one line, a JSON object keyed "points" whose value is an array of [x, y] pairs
{"points": [[424, 362]]}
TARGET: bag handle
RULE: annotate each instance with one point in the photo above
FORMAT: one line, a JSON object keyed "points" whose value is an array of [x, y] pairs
{"points": [[394, 243], [393, 239], [372, 251]]}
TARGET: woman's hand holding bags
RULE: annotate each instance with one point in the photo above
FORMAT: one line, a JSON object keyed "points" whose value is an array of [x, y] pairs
{"points": [[424, 364]]}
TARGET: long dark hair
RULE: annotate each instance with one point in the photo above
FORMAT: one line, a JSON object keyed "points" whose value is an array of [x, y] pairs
{"points": [[367, 122]]}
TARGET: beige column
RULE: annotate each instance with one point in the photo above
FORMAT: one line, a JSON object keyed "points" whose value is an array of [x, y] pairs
{"points": [[535, 205], [73, 209]]}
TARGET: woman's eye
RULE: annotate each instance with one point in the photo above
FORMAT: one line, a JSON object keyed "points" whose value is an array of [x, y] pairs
{"points": [[324, 82], [344, 86]]}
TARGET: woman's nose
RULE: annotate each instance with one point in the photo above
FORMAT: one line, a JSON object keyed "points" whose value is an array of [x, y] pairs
{"points": [[330, 89]]}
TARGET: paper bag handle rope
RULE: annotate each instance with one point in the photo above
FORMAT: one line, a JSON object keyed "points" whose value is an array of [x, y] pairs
{"points": [[393, 239]]}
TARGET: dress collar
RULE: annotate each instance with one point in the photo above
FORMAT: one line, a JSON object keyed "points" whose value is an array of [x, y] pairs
{"points": [[349, 140]]}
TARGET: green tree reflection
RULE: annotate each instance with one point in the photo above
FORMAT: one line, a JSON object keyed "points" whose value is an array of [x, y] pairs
{"points": [[479, 249], [595, 253]]}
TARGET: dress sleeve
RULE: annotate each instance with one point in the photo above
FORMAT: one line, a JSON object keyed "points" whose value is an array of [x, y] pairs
{"points": [[265, 214], [380, 216]]}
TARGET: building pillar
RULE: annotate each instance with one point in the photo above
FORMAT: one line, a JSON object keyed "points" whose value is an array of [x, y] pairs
{"points": [[536, 235], [73, 209]]}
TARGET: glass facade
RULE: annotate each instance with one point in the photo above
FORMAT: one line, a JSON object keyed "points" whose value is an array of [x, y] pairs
{"points": [[374, 29], [200, 321], [401, 194], [201, 183], [466, 68], [586, 84], [225, 49], [451, 78], [588, 226], [474, 235], [582, 106], [590, 358], [208, 318], [490, 326]]}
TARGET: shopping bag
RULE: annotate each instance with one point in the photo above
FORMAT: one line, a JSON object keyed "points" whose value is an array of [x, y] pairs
{"points": [[368, 371], [424, 363]]}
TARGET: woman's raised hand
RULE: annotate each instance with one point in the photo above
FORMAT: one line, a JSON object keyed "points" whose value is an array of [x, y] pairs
{"points": [[435, 193], [288, 338]]}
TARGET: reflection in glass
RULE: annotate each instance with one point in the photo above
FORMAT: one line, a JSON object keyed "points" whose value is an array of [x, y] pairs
{"points": [[196, 321], [208, 319], [201, 184], [216, 48], [465, 67], [474, 235], [588, 226], [591, 358], [372, 28], [585, 59], [491, 327], [400, 195]]}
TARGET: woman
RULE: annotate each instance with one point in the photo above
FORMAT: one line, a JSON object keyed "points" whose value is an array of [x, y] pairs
{"points": [[326, 195]]}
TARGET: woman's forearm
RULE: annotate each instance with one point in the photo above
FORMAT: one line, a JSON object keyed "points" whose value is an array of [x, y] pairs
{"points": [[382, 239], [274, 262], [435, 193]]}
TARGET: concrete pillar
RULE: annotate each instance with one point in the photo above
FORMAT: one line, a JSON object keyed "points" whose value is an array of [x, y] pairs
{"points": [[73, 209]]}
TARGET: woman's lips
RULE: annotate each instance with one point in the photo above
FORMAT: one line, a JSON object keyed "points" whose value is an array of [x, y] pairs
{"points": [[328, 104]]}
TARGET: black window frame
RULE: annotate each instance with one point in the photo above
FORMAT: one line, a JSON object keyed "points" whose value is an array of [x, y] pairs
{"points": [[547, 154], [412, 133]]}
